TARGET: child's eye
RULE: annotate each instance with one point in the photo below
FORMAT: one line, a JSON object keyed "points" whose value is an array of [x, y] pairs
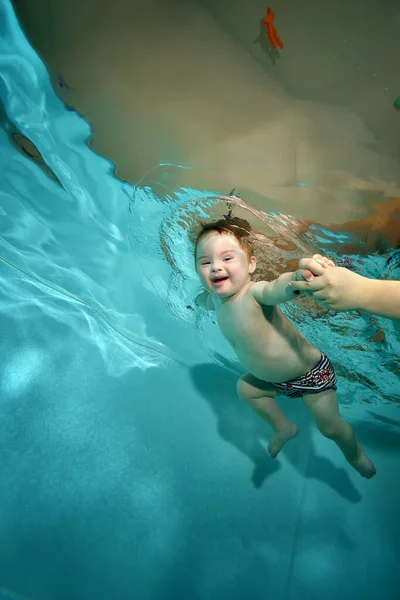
{"points": [[228, 258], [206, 262]]}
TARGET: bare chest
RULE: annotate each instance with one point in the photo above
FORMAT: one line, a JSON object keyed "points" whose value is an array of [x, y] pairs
{"points": [[243, 322]]}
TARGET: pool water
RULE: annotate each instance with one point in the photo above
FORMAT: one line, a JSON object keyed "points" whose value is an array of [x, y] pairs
{"points": [[128, 467]]}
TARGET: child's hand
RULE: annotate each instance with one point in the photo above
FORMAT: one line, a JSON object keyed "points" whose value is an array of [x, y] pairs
{"points": [[303, 275]]}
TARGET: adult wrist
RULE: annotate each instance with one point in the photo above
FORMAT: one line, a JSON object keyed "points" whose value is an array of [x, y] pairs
{"points": [[366, 293]]}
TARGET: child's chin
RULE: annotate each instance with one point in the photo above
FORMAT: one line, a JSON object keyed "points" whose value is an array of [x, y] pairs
{"points": [[223, 291], [218, 289]]}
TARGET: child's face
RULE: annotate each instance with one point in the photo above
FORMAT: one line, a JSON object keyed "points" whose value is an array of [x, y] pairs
{"points": [[223, 267]]}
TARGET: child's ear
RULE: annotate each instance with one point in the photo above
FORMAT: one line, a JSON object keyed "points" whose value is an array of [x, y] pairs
{"points": [[252, 265]]}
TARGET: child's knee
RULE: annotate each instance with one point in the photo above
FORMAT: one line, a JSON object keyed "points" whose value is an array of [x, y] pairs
{"points": [[247, 392], [252, 394], [331, 429]]}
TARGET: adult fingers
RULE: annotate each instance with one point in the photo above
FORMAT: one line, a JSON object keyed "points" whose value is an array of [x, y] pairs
{"points": [[323, 260], [320, 295], [307, 286]]}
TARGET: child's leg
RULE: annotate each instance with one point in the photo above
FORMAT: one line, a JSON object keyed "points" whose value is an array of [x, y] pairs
{"points": [[324, 408], [261, 397]]}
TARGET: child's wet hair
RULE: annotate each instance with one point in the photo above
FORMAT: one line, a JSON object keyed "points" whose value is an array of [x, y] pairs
{"points": [[238, 228]]}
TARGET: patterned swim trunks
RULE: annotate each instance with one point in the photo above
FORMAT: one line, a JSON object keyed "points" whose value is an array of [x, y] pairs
{"points": [[321, 377]]}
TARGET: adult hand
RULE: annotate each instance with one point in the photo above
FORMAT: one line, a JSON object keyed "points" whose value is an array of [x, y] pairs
{"points": [[341, 289], [304, 272], [333, 287], [323, 261]]}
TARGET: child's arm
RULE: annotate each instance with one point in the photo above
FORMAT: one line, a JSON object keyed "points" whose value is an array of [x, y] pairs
{"points": [[205, 301], [275, 292]]}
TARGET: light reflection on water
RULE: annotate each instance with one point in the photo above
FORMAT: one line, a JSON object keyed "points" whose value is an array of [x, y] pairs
{"points": [[64, 249]]}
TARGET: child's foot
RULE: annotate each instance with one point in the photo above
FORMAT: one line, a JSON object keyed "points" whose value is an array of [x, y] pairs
{"points": [[363, 465], [280, 438]]}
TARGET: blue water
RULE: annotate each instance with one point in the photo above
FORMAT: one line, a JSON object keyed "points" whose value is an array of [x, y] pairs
{"points": [[128, 468]]}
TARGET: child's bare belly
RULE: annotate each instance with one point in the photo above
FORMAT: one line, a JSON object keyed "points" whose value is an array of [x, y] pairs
{"points": [[279, 368]]}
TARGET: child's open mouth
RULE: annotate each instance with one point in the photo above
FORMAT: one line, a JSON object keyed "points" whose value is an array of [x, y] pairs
{"points": [[219, 281]]}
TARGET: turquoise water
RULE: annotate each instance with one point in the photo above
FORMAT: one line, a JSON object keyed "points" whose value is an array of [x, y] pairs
{"points": [[128, 468]]}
